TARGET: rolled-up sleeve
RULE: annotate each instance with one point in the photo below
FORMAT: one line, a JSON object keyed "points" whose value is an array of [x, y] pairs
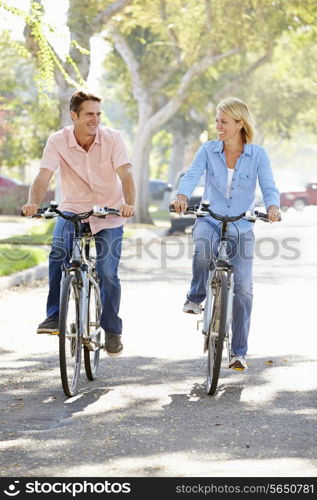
{"points": [[271, 195], [50, 158], [119, 155], [194, 173]]}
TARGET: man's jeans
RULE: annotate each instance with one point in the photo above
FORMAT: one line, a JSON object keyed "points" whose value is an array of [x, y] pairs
{"points": [[240, 250], [108, 251]]}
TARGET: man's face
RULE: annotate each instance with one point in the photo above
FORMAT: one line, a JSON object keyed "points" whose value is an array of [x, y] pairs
{"points": [[88, 119]]}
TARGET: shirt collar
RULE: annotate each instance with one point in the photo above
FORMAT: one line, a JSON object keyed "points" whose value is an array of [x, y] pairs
{"points": [[72, 139], [220, 145]]}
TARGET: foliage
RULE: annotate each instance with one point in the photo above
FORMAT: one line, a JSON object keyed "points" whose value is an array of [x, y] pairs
{"points": [[26, 116], [46, 59]]}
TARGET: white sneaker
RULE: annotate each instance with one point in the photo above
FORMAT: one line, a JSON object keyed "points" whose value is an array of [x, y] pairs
{"points": [[191, 307], [238, 363]]}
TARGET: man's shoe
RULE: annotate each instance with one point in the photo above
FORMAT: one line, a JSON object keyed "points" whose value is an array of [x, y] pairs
{"points": [[238, 363], [113, 345], [191, 307], [49, 325]]}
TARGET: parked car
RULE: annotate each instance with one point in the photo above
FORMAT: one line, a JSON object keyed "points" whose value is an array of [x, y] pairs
{"points": [[14, 194], [299, 199], [180, 223], [157, 189]]}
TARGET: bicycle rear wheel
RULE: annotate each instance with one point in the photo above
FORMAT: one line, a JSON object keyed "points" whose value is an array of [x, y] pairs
{"points": [[92, 347], [70, 340], [217, 331]]}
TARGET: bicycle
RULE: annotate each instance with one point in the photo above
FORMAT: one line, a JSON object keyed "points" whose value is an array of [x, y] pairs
{"points": [[217, 310], [80, 303]]}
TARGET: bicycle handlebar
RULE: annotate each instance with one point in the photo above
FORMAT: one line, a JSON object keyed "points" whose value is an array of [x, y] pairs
{"points": [[52, 211], [203, 210]]}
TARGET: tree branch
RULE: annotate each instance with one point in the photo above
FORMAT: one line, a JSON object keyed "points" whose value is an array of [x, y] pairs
{"points": [[105, 15], [138, 89], [239, 80], [171, 32], [168, 110]]}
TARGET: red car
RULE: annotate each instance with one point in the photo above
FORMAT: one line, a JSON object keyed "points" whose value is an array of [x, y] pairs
{"points": [[14, 194]]}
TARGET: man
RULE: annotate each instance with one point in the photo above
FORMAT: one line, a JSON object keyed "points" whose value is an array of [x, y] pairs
{"points": [[94, 170]]}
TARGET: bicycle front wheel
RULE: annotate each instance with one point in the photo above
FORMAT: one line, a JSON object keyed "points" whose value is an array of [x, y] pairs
{"points": [[92, 346], [216, 333], [70, 341]]}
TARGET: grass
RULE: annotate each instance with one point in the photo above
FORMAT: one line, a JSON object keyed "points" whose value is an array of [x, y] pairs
{"points": [[38, 235], [14, 258]]}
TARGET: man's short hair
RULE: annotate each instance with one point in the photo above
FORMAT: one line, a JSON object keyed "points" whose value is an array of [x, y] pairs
{"points": [[78, 98]]}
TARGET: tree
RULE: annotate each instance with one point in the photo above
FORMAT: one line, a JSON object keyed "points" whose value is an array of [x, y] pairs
{"points": [[164, 52]]}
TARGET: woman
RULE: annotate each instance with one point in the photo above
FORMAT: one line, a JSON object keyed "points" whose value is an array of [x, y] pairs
{"points": [[232, 166]]}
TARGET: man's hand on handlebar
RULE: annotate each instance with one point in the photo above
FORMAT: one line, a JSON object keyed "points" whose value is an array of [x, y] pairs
{"points": [[30, 209], [127, 210], [180, 204]]}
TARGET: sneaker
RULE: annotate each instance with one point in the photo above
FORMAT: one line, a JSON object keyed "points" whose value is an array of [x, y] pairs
{"points": [[191, 307], [49, 325], [238, 363], [113, 345]]}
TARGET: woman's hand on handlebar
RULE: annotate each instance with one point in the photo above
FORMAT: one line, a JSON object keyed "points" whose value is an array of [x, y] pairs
{"points": [[180, 204], [30, 209], [274, 214]]}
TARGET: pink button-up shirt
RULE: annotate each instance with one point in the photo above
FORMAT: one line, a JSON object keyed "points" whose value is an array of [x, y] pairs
{"points": [[88, 177]]}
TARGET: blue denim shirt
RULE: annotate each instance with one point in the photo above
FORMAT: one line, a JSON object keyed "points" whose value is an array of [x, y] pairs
{"points": [[252, 165]]}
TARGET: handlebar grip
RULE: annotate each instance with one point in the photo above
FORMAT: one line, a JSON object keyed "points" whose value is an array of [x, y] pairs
{"points": [[171, 208]]}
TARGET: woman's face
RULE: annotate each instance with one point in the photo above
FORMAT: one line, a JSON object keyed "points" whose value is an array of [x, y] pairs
{"points": [[227, 128]]}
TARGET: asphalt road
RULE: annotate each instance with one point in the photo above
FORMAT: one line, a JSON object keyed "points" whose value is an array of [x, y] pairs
{"points": [[148, 414]]}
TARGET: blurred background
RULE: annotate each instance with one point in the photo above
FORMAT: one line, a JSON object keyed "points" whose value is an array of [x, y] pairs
{"points": [[160, 66]]}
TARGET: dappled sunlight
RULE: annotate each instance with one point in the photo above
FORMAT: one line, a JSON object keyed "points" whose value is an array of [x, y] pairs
{"points": [[195, 465]]}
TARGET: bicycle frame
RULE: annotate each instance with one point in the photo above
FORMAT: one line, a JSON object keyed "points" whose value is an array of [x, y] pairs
{"points": [[220, 265], [82, 266]]}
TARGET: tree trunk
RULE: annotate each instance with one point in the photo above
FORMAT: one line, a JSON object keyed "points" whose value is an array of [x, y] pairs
{"points": [[140, 161], [178, 154]]}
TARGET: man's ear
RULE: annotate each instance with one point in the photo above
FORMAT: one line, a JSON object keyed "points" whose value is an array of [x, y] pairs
{"points": [[73, 115]]}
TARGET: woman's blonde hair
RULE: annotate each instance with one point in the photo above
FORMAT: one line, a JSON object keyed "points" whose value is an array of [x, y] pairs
{"points": [[238, 110]]}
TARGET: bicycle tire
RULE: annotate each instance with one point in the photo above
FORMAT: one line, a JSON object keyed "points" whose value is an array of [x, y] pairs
{"points": [[70, 341], [218, 325], [92, 357]]}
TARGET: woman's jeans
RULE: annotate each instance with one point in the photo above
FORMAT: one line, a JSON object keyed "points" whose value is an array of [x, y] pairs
{"points": [[240, 250], [108, 252]]}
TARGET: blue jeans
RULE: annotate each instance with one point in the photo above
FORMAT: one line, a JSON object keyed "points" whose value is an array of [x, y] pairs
{"points": [[206, 237], [108, 252]]}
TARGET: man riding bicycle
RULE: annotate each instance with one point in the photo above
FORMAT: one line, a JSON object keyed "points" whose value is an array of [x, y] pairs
{"points": [[94, 170]]}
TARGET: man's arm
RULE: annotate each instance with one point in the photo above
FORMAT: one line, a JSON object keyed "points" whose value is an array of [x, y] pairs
{"points": [[37, 191], [128, 188]]}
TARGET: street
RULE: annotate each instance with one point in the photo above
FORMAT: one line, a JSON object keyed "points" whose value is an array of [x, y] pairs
{"points": [[148, 415]]}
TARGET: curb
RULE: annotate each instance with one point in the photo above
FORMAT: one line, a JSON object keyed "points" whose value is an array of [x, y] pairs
{"points": [[24, 277]]}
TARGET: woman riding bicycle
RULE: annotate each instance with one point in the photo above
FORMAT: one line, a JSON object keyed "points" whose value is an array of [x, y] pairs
{"points": [[232, 166]]}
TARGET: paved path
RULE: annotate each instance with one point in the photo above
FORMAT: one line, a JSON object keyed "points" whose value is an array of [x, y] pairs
{"points": [[148, 414]]}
